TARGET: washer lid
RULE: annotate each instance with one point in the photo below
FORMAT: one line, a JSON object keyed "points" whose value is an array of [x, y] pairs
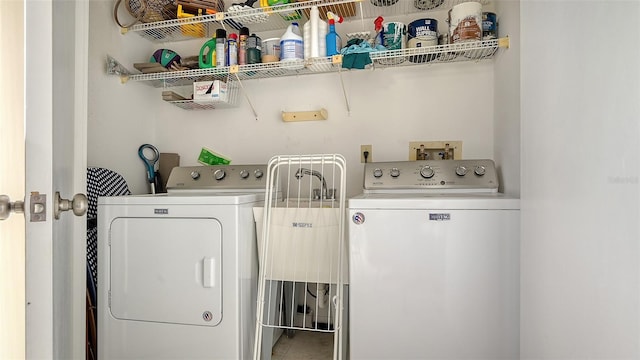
{"points": [[166, 270]]}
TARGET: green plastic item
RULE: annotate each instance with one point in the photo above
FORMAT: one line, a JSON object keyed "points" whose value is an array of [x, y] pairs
{"points": [[207, 57], [208, 157]]}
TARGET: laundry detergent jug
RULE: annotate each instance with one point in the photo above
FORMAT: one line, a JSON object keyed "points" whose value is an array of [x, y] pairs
{"points": [[207, 57]]}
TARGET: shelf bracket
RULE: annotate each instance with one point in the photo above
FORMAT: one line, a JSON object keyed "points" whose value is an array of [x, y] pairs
{"points": [[289, 116], [503, 42], [344, 92], [234, 70]]}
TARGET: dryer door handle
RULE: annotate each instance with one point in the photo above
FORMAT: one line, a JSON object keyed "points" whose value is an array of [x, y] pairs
{"points": [[208, 272]]}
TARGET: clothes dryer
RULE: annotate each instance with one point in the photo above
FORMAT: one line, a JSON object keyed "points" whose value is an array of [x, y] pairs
{"points": [[433, 263], [177, 272]]}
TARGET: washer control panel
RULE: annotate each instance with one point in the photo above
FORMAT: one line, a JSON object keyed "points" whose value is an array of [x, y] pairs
{"points": [[431, 175], [219, 177]]}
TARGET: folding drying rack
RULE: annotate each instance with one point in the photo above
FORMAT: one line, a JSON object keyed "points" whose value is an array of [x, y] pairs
{"points": [[301, 247]]}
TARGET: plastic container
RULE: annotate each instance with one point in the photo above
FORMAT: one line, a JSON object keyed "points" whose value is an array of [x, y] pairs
{"points": [[221, 45], [291, 46], [207, 57], [315, 32], [334, 41], [271, 50], [242, 46]]}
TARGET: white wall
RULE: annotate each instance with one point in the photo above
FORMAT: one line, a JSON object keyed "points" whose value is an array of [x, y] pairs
{"points": [[389, 108], [580, 195], [507, 99]]}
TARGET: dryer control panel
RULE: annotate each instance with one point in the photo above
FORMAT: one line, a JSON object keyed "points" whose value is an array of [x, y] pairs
{"points": [[218, 177], [432, 176]]}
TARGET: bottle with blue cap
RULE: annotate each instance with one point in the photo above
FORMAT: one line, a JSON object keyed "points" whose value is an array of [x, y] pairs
{"points": [[291, 46]]}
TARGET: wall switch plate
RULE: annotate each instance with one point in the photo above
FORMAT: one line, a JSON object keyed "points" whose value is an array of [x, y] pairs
{"points": [[369, 157], [435, 150]]}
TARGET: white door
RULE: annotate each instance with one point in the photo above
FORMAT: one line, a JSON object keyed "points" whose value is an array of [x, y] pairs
{"points": [[54, 101], [11, 181]]}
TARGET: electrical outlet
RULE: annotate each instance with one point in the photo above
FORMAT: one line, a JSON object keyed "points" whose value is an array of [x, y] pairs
{"points": [[369, 157], [435, 150]]}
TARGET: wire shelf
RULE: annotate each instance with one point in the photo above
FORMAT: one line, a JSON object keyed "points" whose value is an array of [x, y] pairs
{"points": [[280, 16], [468, 51], [233, 91]]}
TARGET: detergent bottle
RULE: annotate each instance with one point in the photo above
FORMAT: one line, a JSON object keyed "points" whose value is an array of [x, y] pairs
{"points": [[334, 41], [315, 32], [291, 47], [207, 57]]}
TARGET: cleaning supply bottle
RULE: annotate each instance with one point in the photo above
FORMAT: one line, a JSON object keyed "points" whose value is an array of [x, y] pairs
{"points": [[232, 49], [291, 47], [315, 32], [379, 39], [334, 41], [221, 44], [242, 46], [207, 57]]}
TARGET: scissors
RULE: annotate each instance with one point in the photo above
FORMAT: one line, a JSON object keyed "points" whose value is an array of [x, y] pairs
{"points": [[150, 163]]}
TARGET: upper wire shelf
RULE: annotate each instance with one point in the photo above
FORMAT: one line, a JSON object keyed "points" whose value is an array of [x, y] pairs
{"points": [[280, 16]]}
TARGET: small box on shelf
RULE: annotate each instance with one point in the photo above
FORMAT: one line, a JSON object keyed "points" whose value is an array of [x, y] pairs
{"points": [[210, 91]]}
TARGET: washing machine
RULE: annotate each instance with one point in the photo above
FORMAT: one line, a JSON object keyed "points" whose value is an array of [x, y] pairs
{"points": [[433, 263], [177, 272]]}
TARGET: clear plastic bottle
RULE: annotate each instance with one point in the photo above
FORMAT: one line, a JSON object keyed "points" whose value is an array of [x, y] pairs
{"points": [[242, 46], [315, 32]]}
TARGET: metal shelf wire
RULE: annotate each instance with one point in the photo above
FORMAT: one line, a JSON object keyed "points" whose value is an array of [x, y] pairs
{"points": [[280, 16], [468, 51], [233, 90]]}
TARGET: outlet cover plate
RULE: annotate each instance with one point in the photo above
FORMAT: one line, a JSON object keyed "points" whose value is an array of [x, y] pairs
{"points": [[364, 148]]}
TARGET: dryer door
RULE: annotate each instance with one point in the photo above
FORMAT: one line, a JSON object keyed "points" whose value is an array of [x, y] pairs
{"points": [[166, 270]]}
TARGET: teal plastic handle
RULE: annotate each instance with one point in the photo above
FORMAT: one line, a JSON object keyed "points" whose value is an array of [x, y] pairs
{"points": [[205, 59]]}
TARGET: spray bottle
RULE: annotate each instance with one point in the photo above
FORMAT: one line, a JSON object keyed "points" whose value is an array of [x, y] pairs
{"points": [[379, 39], [334, 41]]}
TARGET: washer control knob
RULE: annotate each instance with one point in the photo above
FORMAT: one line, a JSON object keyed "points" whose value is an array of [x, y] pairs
{"points": [[219, 174], [195, 175], [461, 170], [244, 174], [480, 170], [377, 172], [395, 172], [258, 173], [427, 172]]}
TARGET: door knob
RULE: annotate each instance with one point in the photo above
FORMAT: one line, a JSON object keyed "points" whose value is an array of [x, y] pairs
{"points": [[78, 204], [7, 207]]}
